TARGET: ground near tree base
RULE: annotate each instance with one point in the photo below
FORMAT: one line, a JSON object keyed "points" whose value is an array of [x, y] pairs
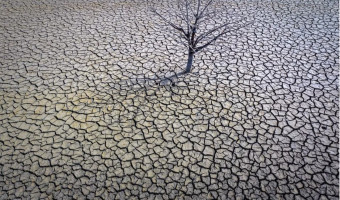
{"points": [[256, 119]]}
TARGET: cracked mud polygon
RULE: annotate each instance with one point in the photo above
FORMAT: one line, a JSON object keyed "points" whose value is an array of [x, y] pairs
{"points": [[256, 119]]}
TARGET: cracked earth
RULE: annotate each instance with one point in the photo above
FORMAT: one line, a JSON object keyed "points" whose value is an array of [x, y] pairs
{"points": [[256, 119]]}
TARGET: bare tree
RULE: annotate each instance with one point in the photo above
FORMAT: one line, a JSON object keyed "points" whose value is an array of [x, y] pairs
{"points": [[198, 23]]}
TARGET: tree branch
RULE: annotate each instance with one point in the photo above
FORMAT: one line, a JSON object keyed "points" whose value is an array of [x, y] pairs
{"points": [[168, 22], [225, 31], [205, 7]]}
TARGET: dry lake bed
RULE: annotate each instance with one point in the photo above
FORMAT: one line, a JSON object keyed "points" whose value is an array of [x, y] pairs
{"points": [[256, 119]]}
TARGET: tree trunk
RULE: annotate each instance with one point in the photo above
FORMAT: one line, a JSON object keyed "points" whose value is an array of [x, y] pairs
{"points": [[189, 63]]}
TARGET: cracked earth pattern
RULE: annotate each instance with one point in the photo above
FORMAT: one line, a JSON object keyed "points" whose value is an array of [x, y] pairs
{"points": [[256, 119]]}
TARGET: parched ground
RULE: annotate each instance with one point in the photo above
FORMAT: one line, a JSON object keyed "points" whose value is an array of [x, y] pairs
{"points": [[257, 118]]}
